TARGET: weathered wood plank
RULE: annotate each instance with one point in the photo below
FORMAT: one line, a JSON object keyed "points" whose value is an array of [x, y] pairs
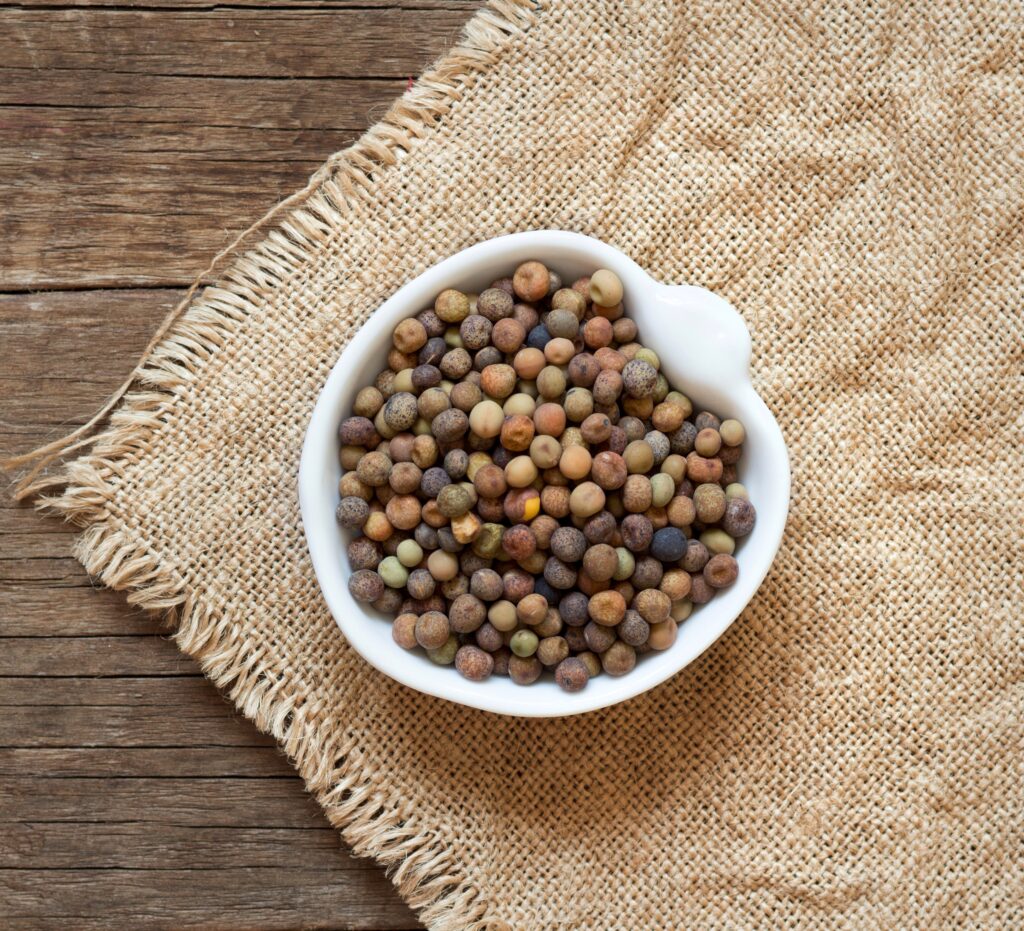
{"points": [[46, 845], [72, 350], [288, 896], [180, 761], [92, 656], [224, 42], [148, 712], [225, 802], [135, 143], [73, 610]]}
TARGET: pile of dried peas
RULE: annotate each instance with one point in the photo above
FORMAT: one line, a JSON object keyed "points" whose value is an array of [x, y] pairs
{"points": [[530, 491]]}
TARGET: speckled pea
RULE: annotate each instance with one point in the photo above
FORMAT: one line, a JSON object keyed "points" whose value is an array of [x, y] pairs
{"points": [[473, 663], [639, 378], [452, 306], [366, 585], [352, 512], [660, 445], [524, 670], [633, 629], [572, 674], [739, 518], [618, 659], [709, 503]]}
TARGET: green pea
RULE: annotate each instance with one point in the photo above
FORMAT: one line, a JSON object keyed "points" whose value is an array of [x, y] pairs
{"points": [[421, 427], [524, 643], [649, 356], [445, 655], [409, 553], [488, 541], [662, 489], [394, 574], [626, 564], [660, 389], [735, 490], [453, 338], [718, 541]]}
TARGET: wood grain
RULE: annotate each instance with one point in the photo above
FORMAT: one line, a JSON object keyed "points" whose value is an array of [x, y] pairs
{"points": [[135, 140], [134, 143]]}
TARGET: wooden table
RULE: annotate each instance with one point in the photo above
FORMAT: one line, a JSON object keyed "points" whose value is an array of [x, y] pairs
{"points": [[134, 142]]}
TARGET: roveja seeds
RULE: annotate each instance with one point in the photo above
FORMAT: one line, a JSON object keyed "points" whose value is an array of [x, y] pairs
{"points": [[530, 492]]}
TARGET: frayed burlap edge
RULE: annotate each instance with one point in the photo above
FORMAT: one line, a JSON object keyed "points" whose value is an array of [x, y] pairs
{"points": [[418, 861]]}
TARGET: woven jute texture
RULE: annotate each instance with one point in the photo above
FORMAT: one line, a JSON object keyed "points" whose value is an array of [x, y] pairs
{"points": [[851, 177]]}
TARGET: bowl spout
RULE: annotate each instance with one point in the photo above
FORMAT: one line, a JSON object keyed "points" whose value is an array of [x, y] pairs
{"points": [[704, 334]]}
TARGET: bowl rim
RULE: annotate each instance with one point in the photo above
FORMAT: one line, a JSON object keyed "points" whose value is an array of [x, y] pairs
{"points": [[317, 509]]}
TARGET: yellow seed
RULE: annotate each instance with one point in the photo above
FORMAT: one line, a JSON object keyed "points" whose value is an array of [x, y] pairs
{"points": [[466, 528]]}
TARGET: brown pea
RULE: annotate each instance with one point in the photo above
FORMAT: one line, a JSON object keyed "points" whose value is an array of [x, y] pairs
{"points": [[517, 432], [596, 428], [586, 499], [555, 501], [607, 608], [403, 511], [700, 591], [499, 380], [598, 333], [703, 471], [653, 605], [508, 335], [403, 630], [410, 335], [637, 494], [529, 362], [600, 562], [624, 330], [575, 462], [676, 584], [618, 659], [489, 481], [721, 571], [522, 505], [524, 670], [432, 630], [549, 419], [708, 442], [531, 281], [424, 451], [709, 503]]}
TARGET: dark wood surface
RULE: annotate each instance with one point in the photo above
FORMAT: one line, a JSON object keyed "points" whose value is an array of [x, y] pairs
{"points": [[135, 140]]}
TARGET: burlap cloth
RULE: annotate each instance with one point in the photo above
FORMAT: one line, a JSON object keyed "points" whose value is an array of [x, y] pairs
{"points": [[850, 753]]}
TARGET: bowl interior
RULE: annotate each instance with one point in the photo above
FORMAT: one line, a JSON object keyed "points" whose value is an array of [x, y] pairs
{"points": [[666, 325]]}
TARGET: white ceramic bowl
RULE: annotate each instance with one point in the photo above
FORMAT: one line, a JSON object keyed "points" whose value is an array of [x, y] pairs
{"points": [[705, 352]]}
